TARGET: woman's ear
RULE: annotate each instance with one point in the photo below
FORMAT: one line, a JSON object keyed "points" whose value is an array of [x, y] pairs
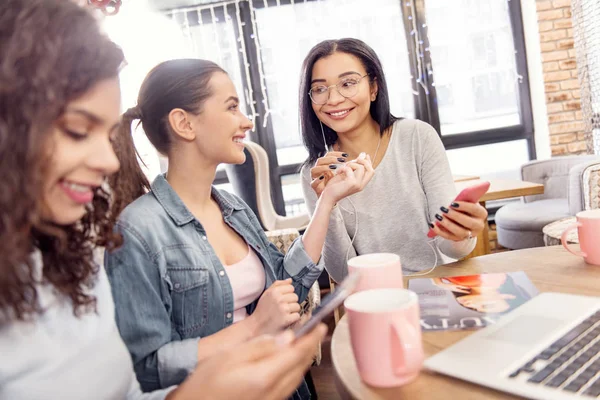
{"points": [[374, 89], [179, 121]]}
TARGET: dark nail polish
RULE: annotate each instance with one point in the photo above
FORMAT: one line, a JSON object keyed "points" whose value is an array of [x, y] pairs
{"points": [[332, 166], [444, 210], [341, 159], [455, 205], [439, 217], [344, 154], [430, 225], [321, 177]]}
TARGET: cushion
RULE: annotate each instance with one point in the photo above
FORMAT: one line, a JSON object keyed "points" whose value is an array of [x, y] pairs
{"points": [[516, 240], [531, 216]]}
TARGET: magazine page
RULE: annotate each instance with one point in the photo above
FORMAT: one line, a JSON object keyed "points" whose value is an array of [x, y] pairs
{"points": [[467, 302]]}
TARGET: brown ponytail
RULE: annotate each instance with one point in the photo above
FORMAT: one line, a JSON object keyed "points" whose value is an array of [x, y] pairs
{"points": [[129, 182], [182, 83]]}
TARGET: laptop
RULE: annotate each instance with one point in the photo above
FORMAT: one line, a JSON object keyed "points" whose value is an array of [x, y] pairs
{"points": [[548, 348]]}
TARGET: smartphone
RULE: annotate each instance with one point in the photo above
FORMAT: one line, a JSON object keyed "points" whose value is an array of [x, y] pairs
{"points": [[329, 303], [470, 194]]}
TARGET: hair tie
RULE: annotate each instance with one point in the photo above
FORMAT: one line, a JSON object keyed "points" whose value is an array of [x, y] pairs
{"points": [[134, 113]]}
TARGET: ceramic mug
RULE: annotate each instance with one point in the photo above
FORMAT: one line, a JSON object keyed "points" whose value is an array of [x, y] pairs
{"points": [[377, 271], [588, 228], [385, 334]]}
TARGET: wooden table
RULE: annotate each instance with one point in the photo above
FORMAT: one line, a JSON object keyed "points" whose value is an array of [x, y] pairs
{"points": [[554, 230], [551, 269], [499, 189], [503, 188], [462, 178]]}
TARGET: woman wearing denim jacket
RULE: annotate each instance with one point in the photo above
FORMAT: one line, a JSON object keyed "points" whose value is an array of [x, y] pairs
{"points": [[195, 259]]}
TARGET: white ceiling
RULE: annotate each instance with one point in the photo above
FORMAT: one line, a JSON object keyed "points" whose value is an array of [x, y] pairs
{"points": [[169, 4]]}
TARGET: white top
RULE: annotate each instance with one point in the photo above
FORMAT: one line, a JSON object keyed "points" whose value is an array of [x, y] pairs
{"points": [[60, 356], [411, 183], [247, 279]]}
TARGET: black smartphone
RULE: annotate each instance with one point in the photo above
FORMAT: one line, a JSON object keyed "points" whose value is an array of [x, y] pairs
{"points": [[328, 304]]}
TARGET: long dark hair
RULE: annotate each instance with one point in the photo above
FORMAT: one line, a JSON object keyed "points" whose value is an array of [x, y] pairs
{"points": [[181, 83], [52, 53], [309, 122]]}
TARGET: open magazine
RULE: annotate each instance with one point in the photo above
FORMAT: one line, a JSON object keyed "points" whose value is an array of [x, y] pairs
{"points": [[473, 301]]}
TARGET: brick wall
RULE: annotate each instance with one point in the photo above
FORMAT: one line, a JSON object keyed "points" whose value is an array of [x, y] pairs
{"points": [[560, 77]]}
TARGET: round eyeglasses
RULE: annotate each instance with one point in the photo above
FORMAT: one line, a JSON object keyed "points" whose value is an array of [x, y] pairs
{"points": [[347, 87]]}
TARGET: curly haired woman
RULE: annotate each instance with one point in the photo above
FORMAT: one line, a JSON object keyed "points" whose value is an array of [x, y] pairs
{"points": [[59, 117]]}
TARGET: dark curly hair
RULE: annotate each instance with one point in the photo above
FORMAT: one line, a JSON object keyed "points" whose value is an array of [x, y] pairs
{"points": [[52, 53]]}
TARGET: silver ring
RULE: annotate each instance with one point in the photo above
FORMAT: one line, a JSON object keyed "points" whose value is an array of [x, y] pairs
{"points": [[469, 235]]}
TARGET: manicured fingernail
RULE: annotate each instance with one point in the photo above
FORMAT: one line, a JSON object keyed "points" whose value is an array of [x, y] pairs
{"points": [[321, 177], [430, 225], [341, 159], [455, 205], [439, 217], [332, 166], [444, 210], [344, 154]]}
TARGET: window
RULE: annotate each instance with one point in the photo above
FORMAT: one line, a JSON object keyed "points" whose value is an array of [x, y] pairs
{"points": [[490, 160], [147, 38], [474, 67], [306, 25], [292, 194], [458, 65]]}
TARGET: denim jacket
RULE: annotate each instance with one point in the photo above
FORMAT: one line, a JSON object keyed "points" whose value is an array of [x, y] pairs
{"points": [[170, 288]]}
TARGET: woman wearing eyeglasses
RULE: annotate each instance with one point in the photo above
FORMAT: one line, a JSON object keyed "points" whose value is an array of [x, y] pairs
{"points": [[344, 110]]}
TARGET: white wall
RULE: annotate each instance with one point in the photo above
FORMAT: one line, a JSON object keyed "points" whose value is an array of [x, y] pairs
{"points": [[147, 38], [536, 79]]}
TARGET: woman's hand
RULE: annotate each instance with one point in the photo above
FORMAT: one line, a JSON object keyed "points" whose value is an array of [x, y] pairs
{"points": [[350, 179], [462, 220], [265, 368], [277, 309], [324, 169]]}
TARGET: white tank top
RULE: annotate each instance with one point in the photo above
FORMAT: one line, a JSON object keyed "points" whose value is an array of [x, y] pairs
{"points": [[247, 279]]}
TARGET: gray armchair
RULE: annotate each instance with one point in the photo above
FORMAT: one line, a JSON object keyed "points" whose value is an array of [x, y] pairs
{"points": [[251, 182], [519, 225]]}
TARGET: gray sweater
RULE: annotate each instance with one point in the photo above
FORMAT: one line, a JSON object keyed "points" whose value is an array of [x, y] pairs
{"points": [[410, 185]]}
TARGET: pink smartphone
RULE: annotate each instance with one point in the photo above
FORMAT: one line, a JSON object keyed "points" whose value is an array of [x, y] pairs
{"points": [[470, 194]]}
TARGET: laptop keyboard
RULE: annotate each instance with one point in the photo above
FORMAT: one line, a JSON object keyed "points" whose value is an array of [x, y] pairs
{"points": [[572, 363]]}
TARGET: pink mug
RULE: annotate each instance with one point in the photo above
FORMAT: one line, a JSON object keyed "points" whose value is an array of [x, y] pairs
{"points": [[588, 228], [377, 271], [385, 335]]}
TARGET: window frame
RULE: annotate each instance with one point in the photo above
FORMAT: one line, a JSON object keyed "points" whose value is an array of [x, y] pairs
{"points": [[424, 103]]}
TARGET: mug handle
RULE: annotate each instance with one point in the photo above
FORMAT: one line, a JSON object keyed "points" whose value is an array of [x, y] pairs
{"points": [[563, 239], [404, 347]]}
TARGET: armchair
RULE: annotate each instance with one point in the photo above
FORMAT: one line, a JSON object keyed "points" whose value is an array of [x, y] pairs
{"points": [[584, 194], [519, 225], [251, 182]]}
